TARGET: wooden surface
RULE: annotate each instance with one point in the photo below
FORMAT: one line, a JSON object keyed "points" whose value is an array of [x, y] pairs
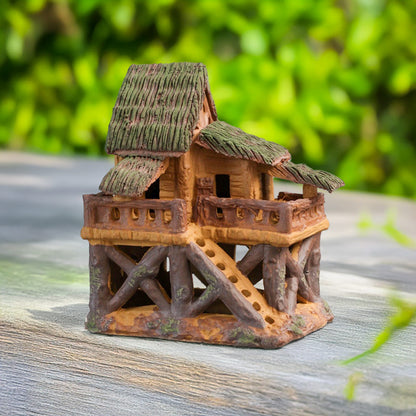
{"points": [[50, 365]]}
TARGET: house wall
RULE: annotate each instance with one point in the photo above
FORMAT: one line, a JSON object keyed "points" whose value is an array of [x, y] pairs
{"points": [[245, 176], [205, 118], [167, 181], [206, 163], [180, 178], [184, 168]]}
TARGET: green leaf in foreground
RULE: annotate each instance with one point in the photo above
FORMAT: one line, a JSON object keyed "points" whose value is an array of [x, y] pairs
{"points": [[390, 229], [353, 380], [404, 315]]}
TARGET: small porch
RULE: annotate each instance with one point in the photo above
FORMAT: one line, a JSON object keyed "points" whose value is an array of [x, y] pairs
{"points": [[281, 222]]}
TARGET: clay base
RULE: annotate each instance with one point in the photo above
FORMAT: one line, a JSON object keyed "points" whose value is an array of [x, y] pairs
{"points": [[147, 321]]}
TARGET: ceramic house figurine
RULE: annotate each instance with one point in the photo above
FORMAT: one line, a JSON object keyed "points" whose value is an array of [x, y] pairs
{"points": [[185, 191]]}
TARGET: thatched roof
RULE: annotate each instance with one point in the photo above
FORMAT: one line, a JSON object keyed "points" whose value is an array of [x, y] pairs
{"points": [[154, 117], [132, 176], [234, 142], [300, 173], [157, 109]]}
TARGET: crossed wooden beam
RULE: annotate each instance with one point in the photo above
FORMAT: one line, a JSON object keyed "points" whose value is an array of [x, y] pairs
{"points": [[287, 275], [143, 275]]}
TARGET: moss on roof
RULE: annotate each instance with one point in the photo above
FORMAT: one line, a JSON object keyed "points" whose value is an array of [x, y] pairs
{"points": [[301, 173], [154, 117], [234, 142], [157, 109], [231, 141], [132, 176]]}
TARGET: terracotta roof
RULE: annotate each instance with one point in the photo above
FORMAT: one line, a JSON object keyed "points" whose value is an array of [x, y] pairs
{"points": [[234, 142], [300, 173], [157, 109], [132, 176]]}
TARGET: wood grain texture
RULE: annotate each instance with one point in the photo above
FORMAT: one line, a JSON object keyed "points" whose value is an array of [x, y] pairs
{"points": [[50, 365]]}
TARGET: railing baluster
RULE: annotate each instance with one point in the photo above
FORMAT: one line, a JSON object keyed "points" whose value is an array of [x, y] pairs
{"points": [[150, 215], [142, 217], [103, 212], [124, 217], [280, 215], [158, 222]]}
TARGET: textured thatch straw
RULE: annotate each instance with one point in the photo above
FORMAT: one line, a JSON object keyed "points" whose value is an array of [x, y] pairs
{"points": [[157, 109], [300, 173], [231, 141], [132, 176], [234, 142], [154, 117]]}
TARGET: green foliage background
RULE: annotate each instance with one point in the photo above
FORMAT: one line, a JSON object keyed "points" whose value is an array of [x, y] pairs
{"points": [[334, 81]]}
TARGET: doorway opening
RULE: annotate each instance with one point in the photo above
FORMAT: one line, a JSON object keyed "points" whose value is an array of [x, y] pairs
{"points": [[222, 186]]}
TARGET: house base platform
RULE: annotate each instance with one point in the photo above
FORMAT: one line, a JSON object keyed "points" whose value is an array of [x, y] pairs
{"points": [[149, 322]]}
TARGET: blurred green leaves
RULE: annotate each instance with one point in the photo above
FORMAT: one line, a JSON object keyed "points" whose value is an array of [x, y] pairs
{"points": [[335, 82], [389, 228], [402, 317]]}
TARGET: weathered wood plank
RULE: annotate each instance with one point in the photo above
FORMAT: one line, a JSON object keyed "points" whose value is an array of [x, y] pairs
{"points": [[274, 273], [251, 259], [181, 281], [45, 352]]}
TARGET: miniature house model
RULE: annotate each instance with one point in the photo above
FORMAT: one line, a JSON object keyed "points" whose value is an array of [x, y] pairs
{"points": [[185, 191]]}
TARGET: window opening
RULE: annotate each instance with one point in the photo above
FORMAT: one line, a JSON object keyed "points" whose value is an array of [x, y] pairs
{"points": [[153, 192], [222, 186]]}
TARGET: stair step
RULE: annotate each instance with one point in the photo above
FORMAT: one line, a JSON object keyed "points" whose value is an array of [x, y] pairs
{"points": [[228, 266]]}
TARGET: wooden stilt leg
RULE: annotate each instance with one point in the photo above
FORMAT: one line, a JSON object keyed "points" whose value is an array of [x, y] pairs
{"points": [[305, 249], [180, 281], [291, 294], [99, 288], [295, 270], [208, 296], [312, 267], [125, 262], [274, 273], [155, 292]]}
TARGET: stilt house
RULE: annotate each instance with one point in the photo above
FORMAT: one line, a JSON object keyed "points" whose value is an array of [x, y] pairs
{"points": [[186, 189]]}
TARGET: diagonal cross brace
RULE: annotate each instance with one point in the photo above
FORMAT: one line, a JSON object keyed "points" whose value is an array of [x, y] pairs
{"points": [[140, 275]]}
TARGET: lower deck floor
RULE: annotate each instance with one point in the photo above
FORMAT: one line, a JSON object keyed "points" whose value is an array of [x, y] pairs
{"points": [[241, 236]]}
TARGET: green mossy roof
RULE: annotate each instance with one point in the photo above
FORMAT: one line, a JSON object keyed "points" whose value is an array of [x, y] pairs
{"points": [[234, 142], [154, 117], [132, 176], [157, 109], [301, 173]]}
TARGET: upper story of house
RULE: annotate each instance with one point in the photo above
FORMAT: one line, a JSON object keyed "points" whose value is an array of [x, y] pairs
{"points": [[177, 164]]}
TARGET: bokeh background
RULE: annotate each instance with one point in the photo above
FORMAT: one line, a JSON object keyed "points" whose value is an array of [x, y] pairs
{"points": [[334, 81]]}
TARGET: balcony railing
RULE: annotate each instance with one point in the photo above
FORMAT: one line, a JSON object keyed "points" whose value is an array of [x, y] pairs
{"points": [[103, 212], [289, 213]]}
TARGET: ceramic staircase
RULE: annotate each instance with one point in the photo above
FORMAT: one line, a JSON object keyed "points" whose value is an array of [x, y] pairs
{"points": [[228, 267]]}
